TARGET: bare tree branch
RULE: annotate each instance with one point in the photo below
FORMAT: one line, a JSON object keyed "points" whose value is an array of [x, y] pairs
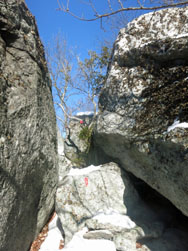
{"points": [[74, 86], [140, 3], [164, 4], [110, 6], [93, 7], [120, 3]]}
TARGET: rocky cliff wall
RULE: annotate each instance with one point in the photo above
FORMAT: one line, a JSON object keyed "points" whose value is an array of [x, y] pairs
{"points": [[144, 110], [28, 174]]}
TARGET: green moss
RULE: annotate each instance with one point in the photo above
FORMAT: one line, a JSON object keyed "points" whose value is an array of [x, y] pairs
{"points": [[85, 135], [79, 161], [81, 157]]}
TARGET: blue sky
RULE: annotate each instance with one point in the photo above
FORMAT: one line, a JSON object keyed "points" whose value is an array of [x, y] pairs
{"points": [[84, 35]]}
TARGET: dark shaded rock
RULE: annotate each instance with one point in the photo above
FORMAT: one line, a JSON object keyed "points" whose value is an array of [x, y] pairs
{"points": [[28, 174], [144, 109]]}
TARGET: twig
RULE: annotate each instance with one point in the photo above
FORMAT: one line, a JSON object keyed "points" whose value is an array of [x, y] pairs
{"points": [[141, 6], [120, 4], [110, 6], [122, 9]]}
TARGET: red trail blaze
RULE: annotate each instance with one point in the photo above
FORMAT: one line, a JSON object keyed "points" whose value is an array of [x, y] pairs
{"points": [[86, 181]]}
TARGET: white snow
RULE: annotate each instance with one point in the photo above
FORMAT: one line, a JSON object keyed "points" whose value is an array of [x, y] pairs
{"points": [[177, 124], [78, 243], [123, 44], [182, 35], [2, 140], [114, 71], [53, 238], [83, 171], [87, 113], [115, 218], [146, 43], [138, 89], [61, 150]]}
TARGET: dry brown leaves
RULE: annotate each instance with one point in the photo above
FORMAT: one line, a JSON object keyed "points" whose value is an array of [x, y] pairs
{"points": [[138, 245], [42, 236], [61, 244]]}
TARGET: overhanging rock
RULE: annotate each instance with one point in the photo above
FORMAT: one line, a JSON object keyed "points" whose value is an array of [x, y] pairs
{"points": [[143, 119]]}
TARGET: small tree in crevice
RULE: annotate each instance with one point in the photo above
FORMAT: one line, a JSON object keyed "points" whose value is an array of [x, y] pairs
{"points": [[76, 83]]}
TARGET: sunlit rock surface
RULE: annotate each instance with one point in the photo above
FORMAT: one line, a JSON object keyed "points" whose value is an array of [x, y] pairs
{"points": [[77, 142], [100, 209], [143, 121]]}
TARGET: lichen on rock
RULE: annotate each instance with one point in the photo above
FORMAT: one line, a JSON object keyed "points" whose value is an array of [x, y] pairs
{"points": [[145, 93]]}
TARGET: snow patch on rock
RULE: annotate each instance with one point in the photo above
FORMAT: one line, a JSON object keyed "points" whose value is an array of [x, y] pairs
{"points": [[177, 124], [83, 171], [87, 113], [78, 243], [54, 237], [115, 218]]}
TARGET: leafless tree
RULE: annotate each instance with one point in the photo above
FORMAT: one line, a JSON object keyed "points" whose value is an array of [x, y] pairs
{"points": [[60, 64], [117, 6], [76, 82], [92, 74]]}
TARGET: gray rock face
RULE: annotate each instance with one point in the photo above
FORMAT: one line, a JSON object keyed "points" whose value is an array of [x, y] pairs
{"points": [[87, 191], [77, 143], [28, 174], [90, 194], [64, 164], [79, 147], [99, 203], [144, 110]]}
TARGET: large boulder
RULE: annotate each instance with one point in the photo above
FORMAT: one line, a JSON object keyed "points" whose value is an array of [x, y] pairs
{"points": [[28, 174], [99, 207], [84, 193], [143, 119]]}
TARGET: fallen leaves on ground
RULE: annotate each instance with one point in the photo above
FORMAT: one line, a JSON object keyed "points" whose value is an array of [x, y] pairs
{"points": [[42, 236], [138, 245], [61, 244]]}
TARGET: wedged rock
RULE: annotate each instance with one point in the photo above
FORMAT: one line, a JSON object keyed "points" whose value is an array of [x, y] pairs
{"points": [[84, 192], [78, 243], [77, 142], [143, 118], [28, 151], [98, 234], [103, 201]]}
